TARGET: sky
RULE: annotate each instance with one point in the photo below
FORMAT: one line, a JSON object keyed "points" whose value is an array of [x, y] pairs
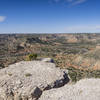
{"points": [[49, 16]]}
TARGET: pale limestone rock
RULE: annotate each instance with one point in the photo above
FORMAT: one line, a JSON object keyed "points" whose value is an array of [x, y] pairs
{"points": [[86, 89], [27, 80]]}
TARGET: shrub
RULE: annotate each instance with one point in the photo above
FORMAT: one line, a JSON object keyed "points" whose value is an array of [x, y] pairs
{"points": [[32, 57], [2, 65], [28, 74], [9, 74], [77, 74]]}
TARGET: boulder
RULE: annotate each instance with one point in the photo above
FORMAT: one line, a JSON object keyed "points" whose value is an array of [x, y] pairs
{"points": [[47, 60], [27, 80], [86, 89]]}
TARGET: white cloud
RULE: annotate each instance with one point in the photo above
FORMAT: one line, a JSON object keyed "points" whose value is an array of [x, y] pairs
{"points": [[2, 18], [72, 2], [83, 28], [78, 2]]}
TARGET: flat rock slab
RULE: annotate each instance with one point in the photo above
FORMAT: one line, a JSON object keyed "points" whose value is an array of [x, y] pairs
{"points": [[27, 80], [86, 89]]}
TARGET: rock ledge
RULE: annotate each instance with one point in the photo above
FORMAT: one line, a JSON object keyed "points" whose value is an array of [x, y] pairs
{"points": [[27, 80]]}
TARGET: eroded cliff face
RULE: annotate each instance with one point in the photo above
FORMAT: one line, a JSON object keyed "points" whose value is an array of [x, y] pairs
{"points": [[15, 47], [88, 60], [28, 80]]}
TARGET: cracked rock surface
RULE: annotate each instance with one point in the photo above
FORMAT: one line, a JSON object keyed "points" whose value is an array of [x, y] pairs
{"points": [[86, 89], [28, 80]]}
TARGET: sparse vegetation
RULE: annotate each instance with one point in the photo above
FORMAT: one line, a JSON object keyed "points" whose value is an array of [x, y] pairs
{"points": [[10, 74], [77, 74], [2, 65], [63, 48], [32, 57], [28, 74]]}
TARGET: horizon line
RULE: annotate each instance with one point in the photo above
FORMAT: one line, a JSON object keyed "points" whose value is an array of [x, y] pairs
{"points": [[50, 33]]}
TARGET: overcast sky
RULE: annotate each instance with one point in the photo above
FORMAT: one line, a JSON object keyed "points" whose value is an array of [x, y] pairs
{"points": [[49, 16]]}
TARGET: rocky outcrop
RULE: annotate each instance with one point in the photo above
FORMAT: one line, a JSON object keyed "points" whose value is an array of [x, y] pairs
{"points": [[27, 80], [86, 89], [47, 60]]}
